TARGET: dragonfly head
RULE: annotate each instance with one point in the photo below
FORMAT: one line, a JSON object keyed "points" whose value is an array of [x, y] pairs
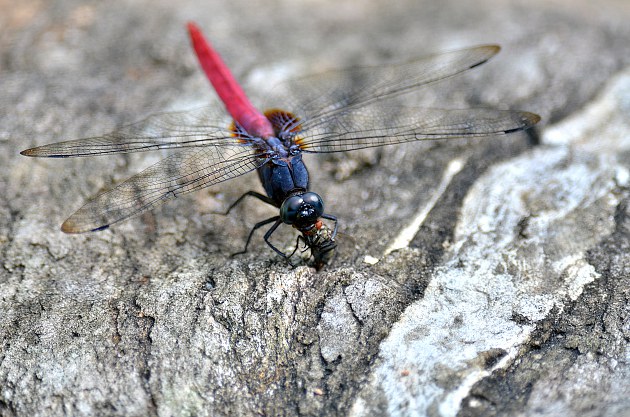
{"points": [[302, 210]]}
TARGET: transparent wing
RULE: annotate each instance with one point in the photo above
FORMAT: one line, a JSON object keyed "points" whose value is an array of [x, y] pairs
{"points": [[193, 128], [326, 94], [338, 111], [352, 109], [371, 126], [181, 173]]}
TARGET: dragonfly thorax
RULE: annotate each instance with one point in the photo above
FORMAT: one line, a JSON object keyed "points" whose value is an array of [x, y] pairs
{"points": [[283, 177], [279, 150]]}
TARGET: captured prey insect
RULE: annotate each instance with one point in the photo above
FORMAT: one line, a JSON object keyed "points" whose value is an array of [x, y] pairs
{"points": [[338, 111]]}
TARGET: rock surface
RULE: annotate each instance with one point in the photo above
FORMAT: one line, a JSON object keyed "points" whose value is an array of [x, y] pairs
{"points": [[510, 296]]}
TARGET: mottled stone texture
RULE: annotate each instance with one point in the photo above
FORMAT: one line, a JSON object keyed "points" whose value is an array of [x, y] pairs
{"points": [[512, 299]]}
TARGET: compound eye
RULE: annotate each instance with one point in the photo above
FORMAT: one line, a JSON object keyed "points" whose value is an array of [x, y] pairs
{"points": [[315, 201], [290, 209]]}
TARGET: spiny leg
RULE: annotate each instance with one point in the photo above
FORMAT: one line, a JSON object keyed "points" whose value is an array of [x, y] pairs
{"points": [[270, 232], [297, 245], [333, 218], [259, 196], [258, 226]]}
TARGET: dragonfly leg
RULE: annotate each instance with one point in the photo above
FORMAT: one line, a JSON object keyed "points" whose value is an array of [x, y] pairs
{"points": [[270, 232], [259, 196], [333, 218], [258, 226], [297, 245]]}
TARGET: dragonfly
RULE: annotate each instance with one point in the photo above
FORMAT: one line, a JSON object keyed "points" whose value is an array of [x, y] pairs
{"points": [[332, 115]]}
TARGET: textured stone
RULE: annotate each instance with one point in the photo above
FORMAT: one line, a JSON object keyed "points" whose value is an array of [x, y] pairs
{"points": [[510, 297]]}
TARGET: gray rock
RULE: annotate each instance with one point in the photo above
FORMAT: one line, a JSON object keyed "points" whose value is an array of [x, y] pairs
{"points": [[473, 278]]}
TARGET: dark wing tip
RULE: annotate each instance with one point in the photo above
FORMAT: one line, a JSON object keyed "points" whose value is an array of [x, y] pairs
{"points": [[39, 151], [527, 120], [490, 51], [44, 152], [531, 118], [493, 48], [71, 227]]}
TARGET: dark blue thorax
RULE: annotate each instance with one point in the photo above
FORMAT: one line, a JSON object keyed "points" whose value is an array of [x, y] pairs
{"points": [[284, 176]]}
